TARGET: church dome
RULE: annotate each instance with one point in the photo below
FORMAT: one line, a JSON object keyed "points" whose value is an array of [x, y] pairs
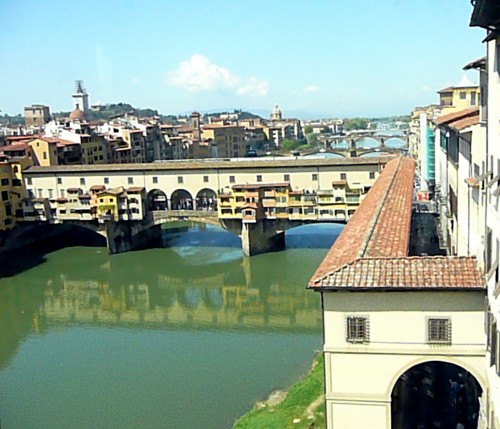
{"points": [[276, 113], [77, 115]]}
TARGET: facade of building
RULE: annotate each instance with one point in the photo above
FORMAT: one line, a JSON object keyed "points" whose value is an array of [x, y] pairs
{"points": [[486, 14], [329, 188], [36, 115], [385, 313], [458, 97], [226, 141]]}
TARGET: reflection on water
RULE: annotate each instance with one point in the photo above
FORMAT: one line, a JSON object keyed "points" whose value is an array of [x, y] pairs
{"points": [[187, 336]]}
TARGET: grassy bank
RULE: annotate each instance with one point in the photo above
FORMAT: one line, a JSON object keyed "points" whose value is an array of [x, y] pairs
{"points": [[302, 407]]}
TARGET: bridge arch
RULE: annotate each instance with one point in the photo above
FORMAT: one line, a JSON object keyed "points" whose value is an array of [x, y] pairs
{"points": [[395, 142], [213, 298], [188, 297], [181, 199], [367, 141], [435, 393], [206, 199], [156, 200]]}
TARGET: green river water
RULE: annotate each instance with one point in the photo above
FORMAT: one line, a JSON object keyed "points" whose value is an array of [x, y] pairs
{"points": [[187, 336]]}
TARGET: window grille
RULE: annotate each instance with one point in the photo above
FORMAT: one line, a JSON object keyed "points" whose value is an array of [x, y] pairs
{"points": [[357, 329], [439, 331]]}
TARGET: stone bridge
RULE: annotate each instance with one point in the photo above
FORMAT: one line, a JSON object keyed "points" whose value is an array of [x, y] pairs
{"points": [[260, 237]]}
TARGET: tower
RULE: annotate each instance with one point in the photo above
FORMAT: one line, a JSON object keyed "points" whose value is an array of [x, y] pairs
{"points": [[80, 97]]}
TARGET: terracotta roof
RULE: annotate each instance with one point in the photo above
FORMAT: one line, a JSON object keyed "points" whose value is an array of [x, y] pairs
{"points": [[371, 252], [62, 200], [455, 116], [212, 165], [262, 185], [83, 196], [21, 138], [380, 226], [430, 272], [14, 147], [135, 189], [339, 182], [97, 188], [465, 122], [114, 191], [74, 190]]}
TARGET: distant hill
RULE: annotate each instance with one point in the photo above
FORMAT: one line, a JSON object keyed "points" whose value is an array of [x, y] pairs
{"points": [[109, 111]]}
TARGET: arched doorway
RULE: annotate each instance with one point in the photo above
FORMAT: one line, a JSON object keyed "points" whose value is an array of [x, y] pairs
{"points": [[181, 200], [157, 200], [206, 199], [435, 395]]}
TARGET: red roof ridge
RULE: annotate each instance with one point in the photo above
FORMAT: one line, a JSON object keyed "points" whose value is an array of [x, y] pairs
{"points": [[365, 233]]}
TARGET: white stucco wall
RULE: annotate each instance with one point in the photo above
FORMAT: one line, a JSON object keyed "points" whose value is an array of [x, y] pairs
{"points": [[360, 377]]}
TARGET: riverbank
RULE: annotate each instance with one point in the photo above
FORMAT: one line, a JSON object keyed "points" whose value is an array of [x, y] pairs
{"points": [[302, 407]]}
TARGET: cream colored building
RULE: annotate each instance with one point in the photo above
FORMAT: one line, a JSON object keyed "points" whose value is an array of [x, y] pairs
{"points": [[458, 97], [192, 176], [486, 14], [386, 313]]}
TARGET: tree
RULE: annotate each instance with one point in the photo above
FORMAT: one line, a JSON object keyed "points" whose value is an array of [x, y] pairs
{"points": [[289, 144], [312, 139], [308, 129], [355, 124]]}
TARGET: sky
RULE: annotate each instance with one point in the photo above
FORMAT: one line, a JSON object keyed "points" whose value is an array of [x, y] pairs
{"points": [[315, 59]]}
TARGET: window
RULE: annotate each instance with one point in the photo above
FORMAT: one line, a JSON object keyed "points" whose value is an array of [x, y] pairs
{"points": [[372, 175], [4, 182], [473, 99], [59, 181], [343, 176], [232, 179], [439, 330], [315, 177], [205, 179], [286, 177], [5, 196], [29, 181], [130, 180], [82, 180], [180, 179], [259, 178], [45, 155], [106, 180], [51, 193], [155, 179], [357, 329], [463, 95]]}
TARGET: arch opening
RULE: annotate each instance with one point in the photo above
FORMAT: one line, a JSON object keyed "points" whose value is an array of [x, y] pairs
{"points": [[206, 199], [181, 200], [157, 200], [435, 394]]}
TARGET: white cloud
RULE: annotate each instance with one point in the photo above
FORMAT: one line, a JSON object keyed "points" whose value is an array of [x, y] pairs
{"points": [[198, 74], [311, 88]]}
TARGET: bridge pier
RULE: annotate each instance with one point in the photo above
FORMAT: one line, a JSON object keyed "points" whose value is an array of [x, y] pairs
{"points": [[261, 237]]}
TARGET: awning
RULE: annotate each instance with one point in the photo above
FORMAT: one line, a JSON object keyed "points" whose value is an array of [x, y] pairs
{"points": [[473, 182], [476, 64], [496, 192]]}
